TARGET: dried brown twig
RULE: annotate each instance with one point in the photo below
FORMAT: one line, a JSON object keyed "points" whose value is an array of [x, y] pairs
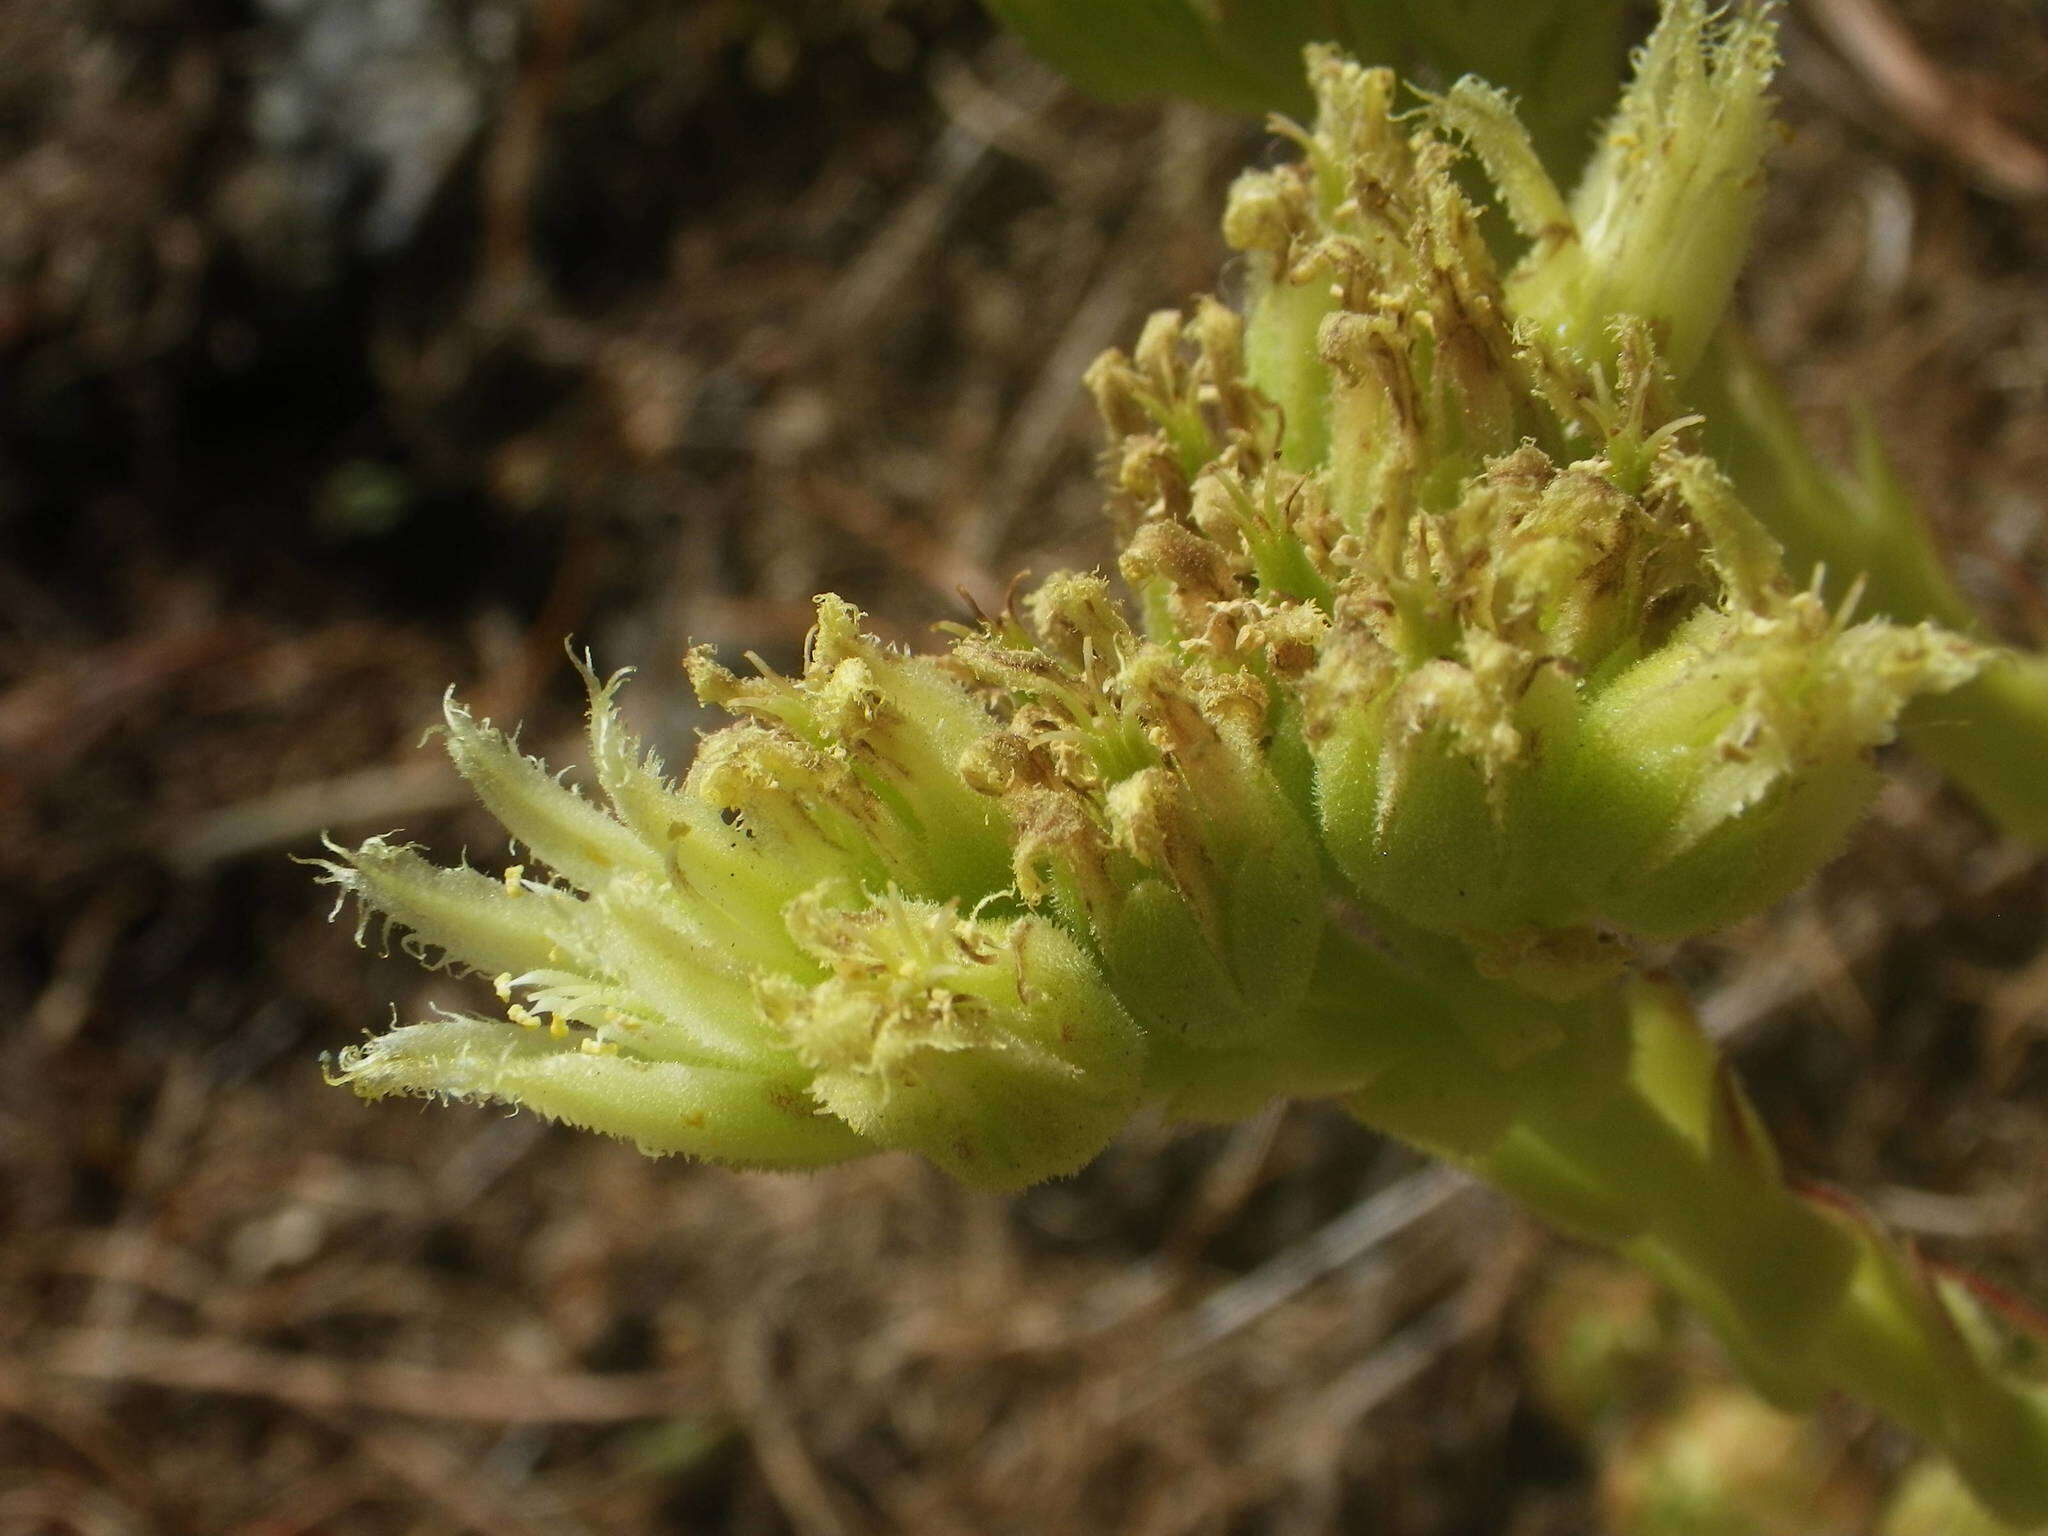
{"points": [[333, 1386], [1931, 101]]}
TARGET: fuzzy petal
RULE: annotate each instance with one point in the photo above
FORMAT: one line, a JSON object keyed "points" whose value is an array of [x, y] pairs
{"points": [[474, 920], [575, 838], [661, 1107]]}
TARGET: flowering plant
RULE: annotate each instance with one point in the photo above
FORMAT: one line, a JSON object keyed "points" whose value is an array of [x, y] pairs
{"points": [[1454, 671]]}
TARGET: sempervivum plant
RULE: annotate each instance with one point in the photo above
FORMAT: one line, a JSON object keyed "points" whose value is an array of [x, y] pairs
{"points": [[1452, 671]]}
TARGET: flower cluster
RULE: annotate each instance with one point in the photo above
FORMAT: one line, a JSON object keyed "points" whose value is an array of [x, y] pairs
{"points": [[1450, 649], [1553, 682]]}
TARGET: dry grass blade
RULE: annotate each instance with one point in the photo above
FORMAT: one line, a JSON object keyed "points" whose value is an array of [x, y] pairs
{"points": [[1377, 1219], [792, 1475], [1935, 105], [341, 1386]]}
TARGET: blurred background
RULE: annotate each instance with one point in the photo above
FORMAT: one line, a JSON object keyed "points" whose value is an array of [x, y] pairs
{"points": [[354, 348]]}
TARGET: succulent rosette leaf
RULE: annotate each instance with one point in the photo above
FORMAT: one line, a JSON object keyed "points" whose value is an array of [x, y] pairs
{"points": [[1562, 57]]}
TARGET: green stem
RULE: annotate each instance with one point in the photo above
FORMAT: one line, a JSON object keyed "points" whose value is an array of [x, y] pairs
{"points": [[1808, 1298], [1654, 1150]]}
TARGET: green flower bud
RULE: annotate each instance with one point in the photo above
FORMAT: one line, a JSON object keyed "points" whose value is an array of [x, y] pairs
{"points": [[1454, 683], [1376, 322], [1432, 803], [1661, 220], [990, 1046], [1147, 815], [874, 728], [1528, 758], [1717, 774], [763, 965]]}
